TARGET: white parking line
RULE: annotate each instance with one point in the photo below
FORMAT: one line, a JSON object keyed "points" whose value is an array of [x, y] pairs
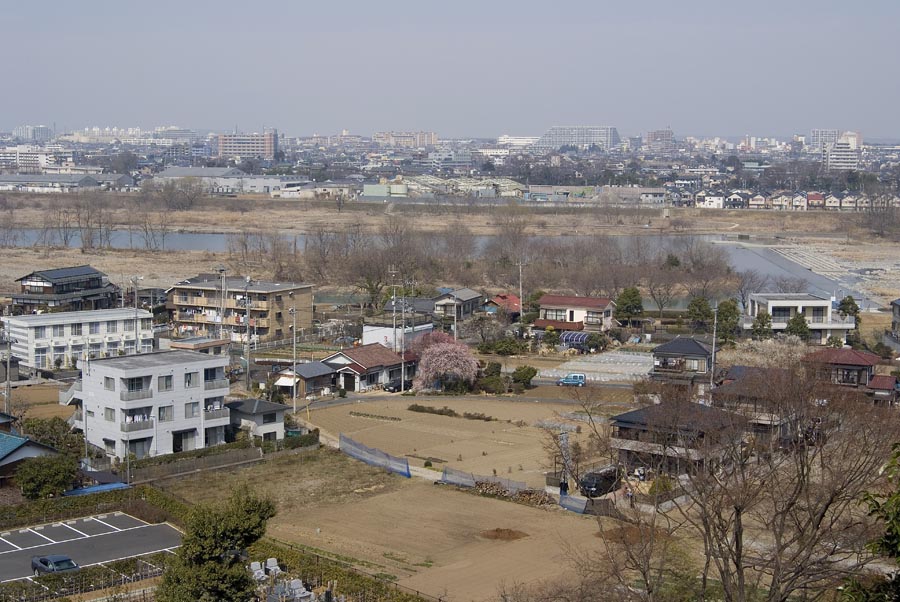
{"points": [[109, 525], [9, 542], [73, 528], [35, 531], [68, 540]]}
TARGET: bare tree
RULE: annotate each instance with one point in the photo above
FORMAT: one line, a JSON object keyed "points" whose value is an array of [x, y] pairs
{"points": [[748, 282], [662, 285], [790, 284]]}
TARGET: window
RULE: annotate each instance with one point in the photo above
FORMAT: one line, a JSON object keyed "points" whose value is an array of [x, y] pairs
{"points": [[555, 314], [128, 326], [269, 437], [59, 330], [40, 332], [192, 410], [76, 330], [94, 328], [781, 314], [90, 413], [146, 323], [269, 418], [40, 357], [135, 383], [111, 326], [109, 414], [166, 413], [110, 446], [277, 315], [165, 383], [191, 380]]}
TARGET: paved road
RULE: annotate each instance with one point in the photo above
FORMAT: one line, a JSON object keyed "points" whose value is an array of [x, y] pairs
{"points": [[87, 541]]}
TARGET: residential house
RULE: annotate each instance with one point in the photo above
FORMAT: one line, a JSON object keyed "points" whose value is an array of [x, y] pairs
{"points": [[781, 201], [759, 201], [258, 417], [747, 391], [76, 288], [738, 199], [6, 422], [396, 330], [152, 404], [506, 303], [368, 366], [311, 380], [710, 200], [821, 315], [674, 437], [846, 367], [815, 201], [883, 389], [832, 202], [464, 302], [45, 341], [683, 361], [848, 203], [210, 305], [565, 312], [14, 449], [799, 202]]}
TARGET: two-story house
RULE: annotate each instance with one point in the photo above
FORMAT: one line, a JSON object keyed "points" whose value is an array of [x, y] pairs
{"points": [[57, 340], [76, 288], [211, 305], [683, 361], [152, 404], [674, 436], [847, 367], [464, 302], [822, 317], [564, 312], [258, 417]]}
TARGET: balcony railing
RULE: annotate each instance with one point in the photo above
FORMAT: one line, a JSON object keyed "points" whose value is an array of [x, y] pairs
{"points": [[216, 414], [219, 383], [140, 425], [139, 394]]}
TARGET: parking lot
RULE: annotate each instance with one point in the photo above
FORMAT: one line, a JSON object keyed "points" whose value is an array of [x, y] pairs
{"points": [[89, 540]]}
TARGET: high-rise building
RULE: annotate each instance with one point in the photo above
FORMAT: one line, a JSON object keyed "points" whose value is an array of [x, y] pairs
{"points": [[264, 146], [843, 154], [660, 141], [820, 139], [33, 133], [582, 136]]}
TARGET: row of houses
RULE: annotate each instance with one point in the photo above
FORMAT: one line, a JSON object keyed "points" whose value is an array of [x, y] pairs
{"points": [[784, 201]]}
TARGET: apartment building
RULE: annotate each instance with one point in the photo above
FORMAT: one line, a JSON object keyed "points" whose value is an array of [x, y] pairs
{"points": [[152, 404], [76, 288], [209, 305], [59, 340], [264, 145], [582, 136], [821, 315]]}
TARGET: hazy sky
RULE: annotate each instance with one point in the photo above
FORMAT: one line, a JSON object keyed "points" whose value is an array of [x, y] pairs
{"points": [[460, 68]]}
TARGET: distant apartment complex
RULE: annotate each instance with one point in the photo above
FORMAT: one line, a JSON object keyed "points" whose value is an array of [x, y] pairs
{"points": [[153, 404], [208, 305], [76, 288], [820, 139], [405, 139], [33, 133], [581, 136], [61, 339], [264, 145], [660, 141]]}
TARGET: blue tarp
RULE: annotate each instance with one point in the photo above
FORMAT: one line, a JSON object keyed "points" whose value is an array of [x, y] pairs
{"points": [[96, 489]]}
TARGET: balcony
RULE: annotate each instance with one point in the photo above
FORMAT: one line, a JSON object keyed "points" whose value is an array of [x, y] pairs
{"points": [[133, 395], [139, 425], [219, 383], [216, 414]]}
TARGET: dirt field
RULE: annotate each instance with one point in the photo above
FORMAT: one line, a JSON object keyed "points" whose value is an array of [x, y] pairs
{"points": [[431, 538], [511, 447], [41, 401]]}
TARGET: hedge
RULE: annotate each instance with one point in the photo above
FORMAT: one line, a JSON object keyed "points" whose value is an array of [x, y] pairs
{"points": [[194, 453]]}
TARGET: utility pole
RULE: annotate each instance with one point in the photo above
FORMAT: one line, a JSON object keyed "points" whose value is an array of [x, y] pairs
{"points": [[455, 313], [293, 312], [393, 272], [9, 342], [222, 270], [712, 372], [521, 297], [247, 282], [137, 336]]}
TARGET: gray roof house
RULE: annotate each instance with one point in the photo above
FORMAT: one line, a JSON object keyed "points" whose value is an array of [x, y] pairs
{"points": [[259, 417]]}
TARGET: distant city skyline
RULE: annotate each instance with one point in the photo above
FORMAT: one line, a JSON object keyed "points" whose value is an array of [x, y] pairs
{"points": [[477, 69]]}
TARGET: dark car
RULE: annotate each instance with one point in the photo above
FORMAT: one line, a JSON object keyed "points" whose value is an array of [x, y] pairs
{"points": [[599, 482], [55, 563], [394, 386]]}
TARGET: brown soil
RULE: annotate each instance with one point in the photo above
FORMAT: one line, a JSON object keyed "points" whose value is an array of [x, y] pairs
{"points": [[503, 534]]}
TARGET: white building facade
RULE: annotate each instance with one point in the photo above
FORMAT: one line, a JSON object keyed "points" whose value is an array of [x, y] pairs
{"points": [[822, 318], [57, 340], [153, 404]]}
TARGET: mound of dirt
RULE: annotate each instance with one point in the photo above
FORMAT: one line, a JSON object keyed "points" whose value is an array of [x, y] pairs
{"points": [[503, 534]]}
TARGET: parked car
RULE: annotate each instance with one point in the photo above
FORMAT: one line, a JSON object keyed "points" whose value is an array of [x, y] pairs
{"points": [[394, 386], [599, 482], [571, 380], [55, 563]]}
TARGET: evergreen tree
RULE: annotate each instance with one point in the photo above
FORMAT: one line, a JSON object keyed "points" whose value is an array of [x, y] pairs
{"points": [[797, 326], [762, 326], [699, 312], [729, 316], [629, 305]]}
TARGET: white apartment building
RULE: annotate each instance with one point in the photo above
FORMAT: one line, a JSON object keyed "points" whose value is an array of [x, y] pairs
{"points": [[152, 404], [45, 341], [821, 316]]}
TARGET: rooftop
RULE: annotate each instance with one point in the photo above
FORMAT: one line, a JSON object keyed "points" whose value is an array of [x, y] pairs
{"points": [[674, 416], [201, 172], [371, 355], [255, 406], [157, 359], [844, 357], [574, 301], [787, 297], [236, 283], [66, 317], [684, 346], [58, 274]]}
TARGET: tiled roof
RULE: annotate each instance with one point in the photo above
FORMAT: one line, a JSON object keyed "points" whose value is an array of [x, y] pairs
{"points": [[312, 370], [844, 357], [684, 346], [54, 275], [372, 355], [255, 406], [675, 416], [573, 301], [10, 443], [883, 383], [507, 302]]}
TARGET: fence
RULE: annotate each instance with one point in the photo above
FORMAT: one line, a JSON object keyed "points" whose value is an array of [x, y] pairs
{"points": [[467, 479], [159, 471], [374, 457], [574, 504]]}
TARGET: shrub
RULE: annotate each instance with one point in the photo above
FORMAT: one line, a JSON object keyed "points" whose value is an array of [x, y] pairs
{"points": [[509, 346], [492, 369], [444, 411], [342, 392], [427, 464], [477, 416], [523, 375], [194, 453], [492, 384], [661, 486], [518, 388]]}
